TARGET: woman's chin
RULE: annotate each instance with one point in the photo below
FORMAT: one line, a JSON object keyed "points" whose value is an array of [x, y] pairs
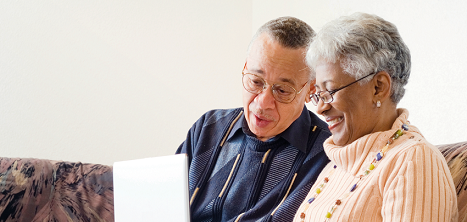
{"points": [[339, 140]]}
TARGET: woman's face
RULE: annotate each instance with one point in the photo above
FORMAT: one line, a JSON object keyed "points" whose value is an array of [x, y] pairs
{"points": [[352, 114]]}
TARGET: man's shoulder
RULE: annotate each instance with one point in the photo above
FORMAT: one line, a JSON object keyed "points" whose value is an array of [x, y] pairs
{"points": [[316, 121]]}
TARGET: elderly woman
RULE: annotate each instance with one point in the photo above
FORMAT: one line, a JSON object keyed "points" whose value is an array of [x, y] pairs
{"points": [[382, 168]]}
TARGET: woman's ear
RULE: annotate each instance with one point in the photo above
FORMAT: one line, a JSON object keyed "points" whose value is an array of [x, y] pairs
{"points": [[382, 84], [311, 90]]}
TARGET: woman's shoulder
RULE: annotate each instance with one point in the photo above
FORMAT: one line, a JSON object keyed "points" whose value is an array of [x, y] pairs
{"points": [[412, 154], [414, 144], [416, 157]]}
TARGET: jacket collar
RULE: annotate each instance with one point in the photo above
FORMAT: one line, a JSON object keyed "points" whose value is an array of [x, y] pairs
{"points": [[297, 134]]}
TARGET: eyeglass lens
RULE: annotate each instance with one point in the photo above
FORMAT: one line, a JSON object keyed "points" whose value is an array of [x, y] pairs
{"points": [[326, 96], [255, 84]]}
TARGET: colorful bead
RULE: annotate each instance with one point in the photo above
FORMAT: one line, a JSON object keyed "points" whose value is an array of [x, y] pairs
{"points": [[353, 188], [398, 134], [345, 195], [371, 167], [379, 156], [405, 127], [311, 199], [385, 148]]}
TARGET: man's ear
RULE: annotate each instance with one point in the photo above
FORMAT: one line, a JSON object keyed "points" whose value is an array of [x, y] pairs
{"points": [[382, 84], [311, 90]]}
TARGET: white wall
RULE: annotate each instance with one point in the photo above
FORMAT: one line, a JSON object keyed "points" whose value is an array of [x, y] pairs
{"points": [[103, 81], [435, 32]]}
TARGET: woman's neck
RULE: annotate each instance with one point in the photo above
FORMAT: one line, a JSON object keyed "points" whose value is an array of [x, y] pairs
{"points": [[388, 115]]}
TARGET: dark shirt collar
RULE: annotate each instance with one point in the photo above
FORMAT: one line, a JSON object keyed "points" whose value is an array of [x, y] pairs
{"points": [[297, 134]]}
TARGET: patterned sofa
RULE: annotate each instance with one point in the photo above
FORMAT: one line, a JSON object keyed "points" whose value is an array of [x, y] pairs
{"points": [[45, 190]]}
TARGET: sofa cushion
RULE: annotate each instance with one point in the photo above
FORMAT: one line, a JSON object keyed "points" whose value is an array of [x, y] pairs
{"points": [[456, 157], [45, 190]]}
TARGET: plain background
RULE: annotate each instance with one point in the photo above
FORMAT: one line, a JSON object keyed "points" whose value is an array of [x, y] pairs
{"points": [[105, 81]]}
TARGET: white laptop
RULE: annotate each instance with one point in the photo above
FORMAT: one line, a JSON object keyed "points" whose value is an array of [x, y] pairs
{"points": [[151, 189]]}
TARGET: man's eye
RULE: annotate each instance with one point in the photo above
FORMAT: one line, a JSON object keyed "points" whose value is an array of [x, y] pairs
{"points": [[283, 90], [257, 82]]}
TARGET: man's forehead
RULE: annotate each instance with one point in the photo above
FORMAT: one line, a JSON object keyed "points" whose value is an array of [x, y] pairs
{"points": [[270, 48], [268, 57], [281, 69], [292, 78]]}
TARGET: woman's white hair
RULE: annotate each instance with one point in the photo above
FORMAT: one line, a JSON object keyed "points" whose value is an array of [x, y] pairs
{"points": [[363, 44]]}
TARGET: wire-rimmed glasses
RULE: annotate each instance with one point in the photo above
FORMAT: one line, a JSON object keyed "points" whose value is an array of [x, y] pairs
{"points": [[282, 93], [326, 96]]}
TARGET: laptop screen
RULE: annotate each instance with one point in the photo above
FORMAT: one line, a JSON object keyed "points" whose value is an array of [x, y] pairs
{"points": [[152, 189]]}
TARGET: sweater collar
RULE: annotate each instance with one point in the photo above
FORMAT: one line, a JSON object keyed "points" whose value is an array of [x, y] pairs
{"points": [[297, 133], [353, 157]]}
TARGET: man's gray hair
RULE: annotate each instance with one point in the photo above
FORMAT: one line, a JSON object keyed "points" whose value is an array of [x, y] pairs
{"points": [[288, 31], [363, 44]]}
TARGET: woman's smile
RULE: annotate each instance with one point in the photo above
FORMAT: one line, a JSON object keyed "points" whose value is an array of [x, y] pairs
{"points": [[333, 122]]}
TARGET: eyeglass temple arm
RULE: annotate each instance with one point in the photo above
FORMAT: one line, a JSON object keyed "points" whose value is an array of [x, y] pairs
{"points": [[334, 91]]}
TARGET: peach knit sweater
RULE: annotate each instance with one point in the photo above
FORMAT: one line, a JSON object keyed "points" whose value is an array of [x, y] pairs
{"points": [[411, 183]]}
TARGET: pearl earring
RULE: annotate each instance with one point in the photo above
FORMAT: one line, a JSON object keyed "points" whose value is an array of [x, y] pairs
{"points": [[378, 103]]}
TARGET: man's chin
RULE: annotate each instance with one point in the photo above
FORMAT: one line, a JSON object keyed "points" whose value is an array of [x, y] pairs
{"points": [[263, 137], [261, 128], [257, 133]]}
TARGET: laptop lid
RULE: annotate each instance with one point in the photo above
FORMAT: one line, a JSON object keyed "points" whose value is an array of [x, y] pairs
{"points": [[152, 189]]}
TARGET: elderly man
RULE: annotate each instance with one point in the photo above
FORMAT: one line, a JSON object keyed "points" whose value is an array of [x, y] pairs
{"points": [[257, 163]]}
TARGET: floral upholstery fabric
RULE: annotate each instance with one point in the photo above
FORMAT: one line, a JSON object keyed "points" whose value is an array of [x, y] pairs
{"points": [[45, 190], [456, 157]]}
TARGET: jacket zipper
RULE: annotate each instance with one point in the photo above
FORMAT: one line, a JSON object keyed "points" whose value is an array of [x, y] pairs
{"points": [[285, 196], [260, 178], [219, 201], [230, 176], [216, 153]]}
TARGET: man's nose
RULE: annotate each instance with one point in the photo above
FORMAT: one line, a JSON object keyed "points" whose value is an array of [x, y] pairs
{"points": [[266, 98]]}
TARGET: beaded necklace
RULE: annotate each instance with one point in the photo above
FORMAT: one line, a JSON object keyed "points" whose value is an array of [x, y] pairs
{"points": [[362, 176]]}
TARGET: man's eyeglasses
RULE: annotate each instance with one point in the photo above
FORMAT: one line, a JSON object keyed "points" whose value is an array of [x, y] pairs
{"points": [[326, 96], [282, 93]]}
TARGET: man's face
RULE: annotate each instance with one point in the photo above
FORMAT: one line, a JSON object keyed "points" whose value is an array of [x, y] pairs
{"points": [[265, 116]]}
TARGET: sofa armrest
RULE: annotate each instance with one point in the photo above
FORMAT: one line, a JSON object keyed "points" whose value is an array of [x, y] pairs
{"points": [[456, 157]]}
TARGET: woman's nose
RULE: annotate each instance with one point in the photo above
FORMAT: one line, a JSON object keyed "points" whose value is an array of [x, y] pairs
{"points": [[321, 107]]}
